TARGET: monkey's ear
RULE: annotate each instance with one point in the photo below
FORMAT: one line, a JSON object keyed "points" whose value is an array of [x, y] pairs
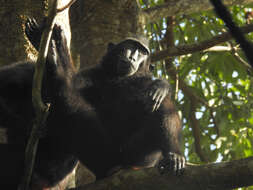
{"points": [[110, 46]]}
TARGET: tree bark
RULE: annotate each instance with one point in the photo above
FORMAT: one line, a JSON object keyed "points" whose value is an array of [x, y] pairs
{"points": [[95, 23], [13, 44]]}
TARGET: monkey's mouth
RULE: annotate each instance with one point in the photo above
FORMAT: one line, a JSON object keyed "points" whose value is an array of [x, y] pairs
{"points": [[125, 67]]}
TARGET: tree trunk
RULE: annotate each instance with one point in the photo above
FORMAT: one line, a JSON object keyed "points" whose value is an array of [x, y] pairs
{"points": [[95, 23], [13, 44]]}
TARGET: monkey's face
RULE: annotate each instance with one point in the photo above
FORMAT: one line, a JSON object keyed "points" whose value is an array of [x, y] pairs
{"points": [[129, 55]]}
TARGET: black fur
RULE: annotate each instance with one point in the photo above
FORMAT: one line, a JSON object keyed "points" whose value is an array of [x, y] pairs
{"points": [[101, 118], [15, 99]]}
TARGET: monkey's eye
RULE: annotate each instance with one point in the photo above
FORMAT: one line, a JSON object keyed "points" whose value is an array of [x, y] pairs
{"points": [[144, 51], [122, 51]]}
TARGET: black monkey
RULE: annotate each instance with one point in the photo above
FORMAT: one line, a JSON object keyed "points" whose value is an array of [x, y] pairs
{"points": [[17, 114], [85, 121], [159, 89], [235, 31], [116, 89]]}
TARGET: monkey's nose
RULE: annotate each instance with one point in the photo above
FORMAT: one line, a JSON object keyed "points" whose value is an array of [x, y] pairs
{"points": [[134, 56]]}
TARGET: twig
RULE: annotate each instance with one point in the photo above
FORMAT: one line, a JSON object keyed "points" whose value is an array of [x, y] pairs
{"points": [[216, 127]]}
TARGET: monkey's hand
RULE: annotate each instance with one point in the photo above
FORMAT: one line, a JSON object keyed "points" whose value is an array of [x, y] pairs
{"points": [[158, 90], [33, 31], [172, 162]]}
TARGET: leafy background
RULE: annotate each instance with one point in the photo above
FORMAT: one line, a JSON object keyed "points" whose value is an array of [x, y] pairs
{"points": [[212, 89]]}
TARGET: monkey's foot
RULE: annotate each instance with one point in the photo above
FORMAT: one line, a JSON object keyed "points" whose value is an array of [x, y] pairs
{"points": [[172, 163]]}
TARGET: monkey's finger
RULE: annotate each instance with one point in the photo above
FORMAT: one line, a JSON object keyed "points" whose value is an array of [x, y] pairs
{"points": [[34, 23], [183, 162], [160, 100], [149, 92], [156, 94], [158, 97], [53, 51], [159, 103], [28, 27], [182, 165], [31, 23], [154, 106], [177, 166], [175, 159], [27, 24], [163, 96], [172, 162]]}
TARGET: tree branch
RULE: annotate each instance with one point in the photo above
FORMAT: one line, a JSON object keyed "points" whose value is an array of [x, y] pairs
{"points": [[172, 8], [66, 6], [40, 108], [186, 49], [216, 176]]}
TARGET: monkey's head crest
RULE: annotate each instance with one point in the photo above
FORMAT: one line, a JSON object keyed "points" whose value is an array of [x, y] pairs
{"points": [[141, 39]]}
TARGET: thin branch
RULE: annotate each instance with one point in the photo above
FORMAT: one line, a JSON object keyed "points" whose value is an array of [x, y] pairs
{"points": [[214, 176], [212, 116], [243, 62], [66, 6], [169, 40], [220, 49], [180, 7], [188, 49], [40, 108]]}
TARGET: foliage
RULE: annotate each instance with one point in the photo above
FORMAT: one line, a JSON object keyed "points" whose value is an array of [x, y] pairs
{"points": [[220, 85]]}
